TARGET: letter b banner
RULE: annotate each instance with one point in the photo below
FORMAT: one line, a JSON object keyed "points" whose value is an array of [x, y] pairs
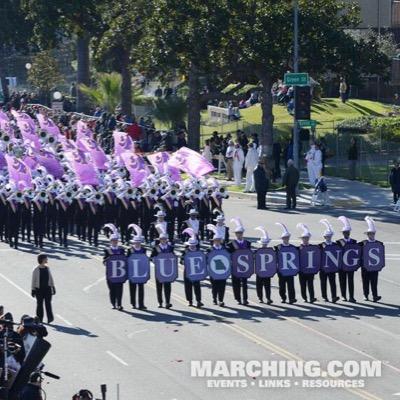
{"points": [[116, 271]]}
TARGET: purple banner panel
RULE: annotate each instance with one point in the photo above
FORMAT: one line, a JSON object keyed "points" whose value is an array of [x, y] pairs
{"points": [[116, 271], [331, 260], [373, 256], [288, 260], [166, 266], [219, 264], [242, 263], [310, 259], [195, 265], [351, 257], [266, 265], [138, 268]]}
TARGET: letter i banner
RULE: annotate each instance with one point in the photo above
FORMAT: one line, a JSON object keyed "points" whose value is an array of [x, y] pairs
{"points": [[373, 256], [195, 266], [116, 270], [166, 267], [310, 259]]}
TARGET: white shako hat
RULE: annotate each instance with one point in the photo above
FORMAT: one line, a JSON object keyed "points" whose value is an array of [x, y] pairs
{"points": [[137, 236], [264, 239], [239, 226], [220, 215], [329, 229], [114, 231], [192, 211], [192, 241], [160, 213], [371, 225], [214, 230], [285, 231], [306, 231], [346, 224]]}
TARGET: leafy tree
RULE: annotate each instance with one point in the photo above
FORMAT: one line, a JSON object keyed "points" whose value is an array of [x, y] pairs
{"points": [[113, 47], [170, 111], [107, 92], [76, 18], [44, 74]]}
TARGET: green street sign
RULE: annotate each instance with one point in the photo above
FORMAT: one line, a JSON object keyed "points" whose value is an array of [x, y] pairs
{"points": [[307, 123], [297, 79]]}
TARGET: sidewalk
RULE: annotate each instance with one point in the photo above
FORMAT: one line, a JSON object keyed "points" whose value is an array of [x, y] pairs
{"points": [[343, 193]]}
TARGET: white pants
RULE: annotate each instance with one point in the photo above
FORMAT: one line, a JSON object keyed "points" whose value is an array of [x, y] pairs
{"points": [[237, 173], [249, 180]]}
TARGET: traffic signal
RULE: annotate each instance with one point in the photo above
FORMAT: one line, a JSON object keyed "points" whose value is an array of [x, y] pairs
{"points": [[302, 102]]}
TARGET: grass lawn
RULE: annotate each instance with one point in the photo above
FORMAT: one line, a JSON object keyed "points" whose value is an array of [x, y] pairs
{"points": [[327, 113]]}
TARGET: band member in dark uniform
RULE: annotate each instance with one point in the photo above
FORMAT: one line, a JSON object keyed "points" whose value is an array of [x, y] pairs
{"points": [[286, 281], [263, 284], [162, 247], [115, 289], [39, 217], [346, 278], [239, 284], [331, 276], [137, 248], [192, 245], [15, 204], [26, 219], [43, 288], [306, 280], [217, 285], [370, 278]]}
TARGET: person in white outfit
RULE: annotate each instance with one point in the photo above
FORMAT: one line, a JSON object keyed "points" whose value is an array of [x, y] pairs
{"points": [[238, 161], [310, 165], [206, 153], [317, 163], [250, 163]]}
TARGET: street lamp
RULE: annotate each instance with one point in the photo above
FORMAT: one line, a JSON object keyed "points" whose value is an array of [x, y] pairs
{"points": [[296, 70], [28, 66], [57, 96]]}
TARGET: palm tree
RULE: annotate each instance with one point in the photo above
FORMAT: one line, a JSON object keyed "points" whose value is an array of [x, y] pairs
{"points": [[107, 92]]}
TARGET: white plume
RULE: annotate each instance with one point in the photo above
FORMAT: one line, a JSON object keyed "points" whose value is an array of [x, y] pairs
{"points": [[345, 222], [112, 228], [263, 231], [190, 232], [305, 229], [284, 228], [138, 230]]}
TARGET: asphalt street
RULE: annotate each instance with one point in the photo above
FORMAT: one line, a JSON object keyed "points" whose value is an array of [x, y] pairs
{"points": [[149, 353]]}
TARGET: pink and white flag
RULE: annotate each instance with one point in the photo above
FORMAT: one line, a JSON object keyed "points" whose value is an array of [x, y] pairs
{"points": [[160, 162], [122, 144], [85, 172], [20, 173], [96, 152], [82, 131], [191, 162], [47, 125], [136, 166], [4, 116]]}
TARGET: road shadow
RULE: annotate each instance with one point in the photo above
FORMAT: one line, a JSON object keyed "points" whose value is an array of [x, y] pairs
{"points": [[76, 331]]}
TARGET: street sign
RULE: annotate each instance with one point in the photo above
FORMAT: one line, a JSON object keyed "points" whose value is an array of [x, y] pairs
{"points": [[297, 79], [307, 123]]}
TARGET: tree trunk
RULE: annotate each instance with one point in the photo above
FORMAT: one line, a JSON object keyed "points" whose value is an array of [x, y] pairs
{"points": [[194, 108], [126, 85], [3, 81], [83, 72], [267, 128]]}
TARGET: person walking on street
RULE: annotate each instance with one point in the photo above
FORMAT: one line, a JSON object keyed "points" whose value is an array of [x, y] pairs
{"points": [[261, 184], [250, 163], [238, 161], [394, 180], [290, 180], [353, 158], [43, 288]]}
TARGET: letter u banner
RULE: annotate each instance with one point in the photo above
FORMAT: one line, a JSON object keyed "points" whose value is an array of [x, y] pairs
{"points": [[166, 267]]}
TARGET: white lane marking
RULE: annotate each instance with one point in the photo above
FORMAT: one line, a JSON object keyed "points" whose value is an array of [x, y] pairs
{"points": [[136, 332], [393, 258], [389, 281], [16, 286], [64, 320], [391, 334], [120, 360], [87, 288]]}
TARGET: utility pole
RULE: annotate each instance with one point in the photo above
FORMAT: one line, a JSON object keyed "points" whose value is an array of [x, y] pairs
{"points": [[378, 80], [296, 70]]}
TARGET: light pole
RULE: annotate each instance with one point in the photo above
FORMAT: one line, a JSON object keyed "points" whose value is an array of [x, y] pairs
{"points": [[296, 70]]}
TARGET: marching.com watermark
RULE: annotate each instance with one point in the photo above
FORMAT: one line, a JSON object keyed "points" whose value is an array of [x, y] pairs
{"points": [[285, 374]]}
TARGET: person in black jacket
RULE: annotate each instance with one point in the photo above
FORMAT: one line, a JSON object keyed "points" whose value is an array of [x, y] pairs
{"points": [[353, 158], [394, 180], [261, 184], [291, 180]]}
